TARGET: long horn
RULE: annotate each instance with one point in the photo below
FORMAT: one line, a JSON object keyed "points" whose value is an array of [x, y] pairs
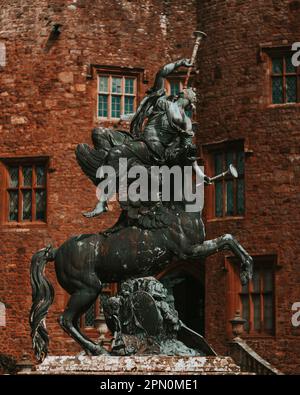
{"points": [[232, 171], [199, 36]]}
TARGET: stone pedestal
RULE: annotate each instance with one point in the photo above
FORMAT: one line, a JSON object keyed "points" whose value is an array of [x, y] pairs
{"points": [[154, 364]]}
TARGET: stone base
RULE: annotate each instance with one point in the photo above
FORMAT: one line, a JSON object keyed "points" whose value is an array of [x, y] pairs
{"points": [[135, 365]]}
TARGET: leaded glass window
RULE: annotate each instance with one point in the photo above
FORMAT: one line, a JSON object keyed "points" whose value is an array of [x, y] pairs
{"points": [[285, 80], [103, 106], [116, 106], [129, 86], [13, 198], [257, 299], [116, 96], [116, 83], [27, 176], [13, 177], [229, 196], [26, 192], [90, 316], [129, 105], [40, 206]]}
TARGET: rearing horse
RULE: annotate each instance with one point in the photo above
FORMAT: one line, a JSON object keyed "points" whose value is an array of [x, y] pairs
{"points": [[139, 245], [84, 263]]}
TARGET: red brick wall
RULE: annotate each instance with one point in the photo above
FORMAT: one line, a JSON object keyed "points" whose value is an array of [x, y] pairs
{"points": [[233, 104], [55, 104]]}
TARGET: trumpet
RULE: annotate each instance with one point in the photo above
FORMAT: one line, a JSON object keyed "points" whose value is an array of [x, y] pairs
{"points": [[232, 171]]}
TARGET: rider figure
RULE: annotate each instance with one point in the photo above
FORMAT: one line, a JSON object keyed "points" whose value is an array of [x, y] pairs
{"points": [[166, 137], [167, 124]]}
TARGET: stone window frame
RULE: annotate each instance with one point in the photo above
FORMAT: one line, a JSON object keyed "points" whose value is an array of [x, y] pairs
{"points": [[209, 152], [3, 320], [20, 162], [266, 55], [234, 292], [2, 55], [137, 74], [110, 94]]}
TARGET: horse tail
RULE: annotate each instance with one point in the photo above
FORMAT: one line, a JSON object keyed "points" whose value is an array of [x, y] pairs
{"points": [[42, 298]]}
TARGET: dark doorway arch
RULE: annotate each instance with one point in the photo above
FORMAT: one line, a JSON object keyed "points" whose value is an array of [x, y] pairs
{"points": [[185, 283]]}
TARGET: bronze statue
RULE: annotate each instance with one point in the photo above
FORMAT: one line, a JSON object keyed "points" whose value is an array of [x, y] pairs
{"points": [[147, 238]]}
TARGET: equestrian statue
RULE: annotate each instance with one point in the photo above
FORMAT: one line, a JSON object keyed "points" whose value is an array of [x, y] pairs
{"points": [[147, 238]]}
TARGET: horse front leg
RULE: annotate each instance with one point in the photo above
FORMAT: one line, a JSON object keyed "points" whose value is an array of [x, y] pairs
{"points": [[222, 243], [78, 304]]}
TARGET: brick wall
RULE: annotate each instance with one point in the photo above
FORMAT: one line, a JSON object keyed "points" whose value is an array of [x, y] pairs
{"points": [[234, 104], [48, 107]]}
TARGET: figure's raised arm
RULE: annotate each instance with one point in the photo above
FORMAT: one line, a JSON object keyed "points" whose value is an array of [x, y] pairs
{"points": [[168, 69]]}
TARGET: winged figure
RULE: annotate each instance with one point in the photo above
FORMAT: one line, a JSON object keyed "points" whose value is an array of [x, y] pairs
{"points": [[161, 134]]}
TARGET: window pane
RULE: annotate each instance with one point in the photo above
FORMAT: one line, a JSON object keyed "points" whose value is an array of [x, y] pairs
{"points": [[219, 199], [218, 163], [289, 65], [291, 89], [103, 84], [116, 85], [245, 311], [40, 175], [40, 201], [268, 312], [277, 90], [240, 159], [174, 87], [277, 65], [129, 105], [229, 159], [116, 106], [240, 198], [129, 85], [27, 176], [256, 281], [90, 316], [102, 106], [257, 310], [14, 177], [13, 205], [268, 280], [229, 198], [26, 214]]}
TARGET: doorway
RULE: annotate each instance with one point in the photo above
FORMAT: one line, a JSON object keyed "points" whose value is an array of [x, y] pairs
{"points": [[186, 292]]}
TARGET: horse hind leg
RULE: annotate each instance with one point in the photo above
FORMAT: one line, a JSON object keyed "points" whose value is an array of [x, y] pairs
{"points": [[227, 242], [78, 304]]}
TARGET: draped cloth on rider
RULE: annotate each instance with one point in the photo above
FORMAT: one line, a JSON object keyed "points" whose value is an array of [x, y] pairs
{"points": [[166, 126]]}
